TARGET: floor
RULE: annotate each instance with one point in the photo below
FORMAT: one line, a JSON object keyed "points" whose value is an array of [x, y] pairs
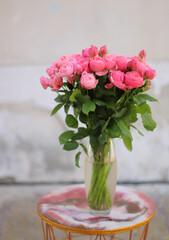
{"points": [[19, 220]]}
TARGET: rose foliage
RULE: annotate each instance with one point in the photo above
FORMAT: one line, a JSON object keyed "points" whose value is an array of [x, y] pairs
{"points": [[107, 93]]}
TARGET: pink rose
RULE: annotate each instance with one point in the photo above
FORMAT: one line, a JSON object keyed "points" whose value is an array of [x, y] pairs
{"points": [[62, 60], [142, 54], [44, 82], [122, 63], [97, 64], [79, 69], [141, 68], [137, 58], [85, 53], [72, 60], [76, 56], [50, 71], [150, 73], [117, 78], [133, 80], [56, 82], [84, 63], [88, 80], [71, 79], [110, 61], [103, 50], [66, 70], [103, 73], [132, 64], [93, 51], [54, 64]]}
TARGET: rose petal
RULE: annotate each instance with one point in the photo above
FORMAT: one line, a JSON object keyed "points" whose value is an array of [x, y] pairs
{"points": [[102, 73]]}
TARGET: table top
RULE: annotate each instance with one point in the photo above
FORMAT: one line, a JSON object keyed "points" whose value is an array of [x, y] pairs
{"points": [[67, 209]]}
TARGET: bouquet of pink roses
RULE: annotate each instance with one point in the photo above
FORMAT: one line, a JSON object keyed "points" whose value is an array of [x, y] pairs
{"points": [[107, 93]]}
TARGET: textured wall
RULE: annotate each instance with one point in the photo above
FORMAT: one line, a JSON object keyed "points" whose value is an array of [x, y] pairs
{"points": [[29, 148], [36, 33]]}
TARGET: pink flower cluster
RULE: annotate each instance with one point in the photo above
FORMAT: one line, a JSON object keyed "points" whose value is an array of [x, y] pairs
{"points": [[123, 72]]}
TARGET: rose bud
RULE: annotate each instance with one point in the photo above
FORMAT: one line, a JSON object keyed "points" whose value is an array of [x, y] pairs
{"points": [[85, 53], [109, 85], [142, 54], [103, 50], [93, 51]]}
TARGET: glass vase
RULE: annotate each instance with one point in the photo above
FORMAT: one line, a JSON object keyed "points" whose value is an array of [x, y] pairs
{"points": [[101, 178]]}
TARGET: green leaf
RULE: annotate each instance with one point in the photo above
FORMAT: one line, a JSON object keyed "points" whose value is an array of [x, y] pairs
{"points": [[124, 129], [59, 98], [111, 104], [66, 107], [139, 100], [73, 96], [64, 137], [99, 123], [71, 145], [145, 108], [63, 98], [84, 148], [148, 121], [104, 91], [76, 111], [148, 97], [114, 131], [131, 115], [56, 109], [77, 136], [83, 118], [82, 98], [106, 124], [99, 102], [120, 113], [83, 131], [102, 113], [71, 121], [94, 142], [102, 139], [88, 107], [122, 98], [137, 130], [127, 142], [77, 157]]}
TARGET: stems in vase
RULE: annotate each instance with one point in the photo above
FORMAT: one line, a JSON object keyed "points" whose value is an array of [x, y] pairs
{"points": [[99, 195]]}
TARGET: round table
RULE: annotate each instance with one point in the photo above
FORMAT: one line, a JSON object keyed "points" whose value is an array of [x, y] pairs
{"points": [[67, 209]]}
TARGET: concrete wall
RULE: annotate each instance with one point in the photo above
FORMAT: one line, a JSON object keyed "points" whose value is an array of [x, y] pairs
{"points": [[38, 31], [35, 33]]}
